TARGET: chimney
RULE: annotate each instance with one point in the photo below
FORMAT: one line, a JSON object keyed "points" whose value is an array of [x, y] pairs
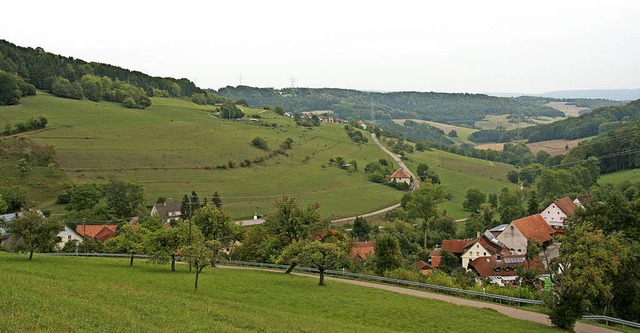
{"points": [[477, 234]]}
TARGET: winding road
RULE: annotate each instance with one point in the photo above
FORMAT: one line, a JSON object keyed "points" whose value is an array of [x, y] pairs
{"points": [[397, 159]]}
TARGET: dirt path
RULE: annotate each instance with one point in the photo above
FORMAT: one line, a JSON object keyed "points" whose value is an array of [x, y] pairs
{"points": [[505, 310]]}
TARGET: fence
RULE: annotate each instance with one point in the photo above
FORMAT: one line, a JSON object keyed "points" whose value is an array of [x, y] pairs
{"points": [[482, 295]]}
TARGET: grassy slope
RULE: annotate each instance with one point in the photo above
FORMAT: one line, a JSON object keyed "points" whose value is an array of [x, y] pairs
{"points": [[460, 173], [620, 177], [463, 132], [105, 295], [167, 147]]}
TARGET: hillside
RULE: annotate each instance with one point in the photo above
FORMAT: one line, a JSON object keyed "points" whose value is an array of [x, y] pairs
{"points": [[148, 297], [175, 147], [453, 108]]}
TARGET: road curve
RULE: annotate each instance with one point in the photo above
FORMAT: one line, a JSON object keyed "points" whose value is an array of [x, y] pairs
{"points": [[416, 183], [505, 310], [416, 180]]}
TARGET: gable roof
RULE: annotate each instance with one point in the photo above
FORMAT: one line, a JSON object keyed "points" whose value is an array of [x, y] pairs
{"points": [[421, 264], [505, 266], [534, 227], [101, 232], [567, 206], [362, 249], [490, 243], [400, 173], [454, 246], [164, 208]]}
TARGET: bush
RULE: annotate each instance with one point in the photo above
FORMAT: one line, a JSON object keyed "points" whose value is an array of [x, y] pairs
{"points": [[260, 143]]}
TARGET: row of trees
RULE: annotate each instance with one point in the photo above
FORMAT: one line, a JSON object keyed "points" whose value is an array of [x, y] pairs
{"points": [[29, 125]]}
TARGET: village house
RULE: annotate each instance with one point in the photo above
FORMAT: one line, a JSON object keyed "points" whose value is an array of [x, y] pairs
{"points": [[501, 270], [167, 211], [558, 211], [400, 176], [362, 249], [101, 232], [452, 245], [581, 200], [517, 234], [483, 246], [67, 235]]}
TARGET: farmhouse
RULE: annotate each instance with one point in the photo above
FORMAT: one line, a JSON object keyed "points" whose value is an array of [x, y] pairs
{"points": [[101, 232], [517, 234], [401, 176], [558, 211], [483, 246], [501, 270], [167, 211]]}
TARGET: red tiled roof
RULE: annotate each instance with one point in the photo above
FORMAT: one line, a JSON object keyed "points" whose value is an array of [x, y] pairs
{"points": [[421, 264], [362, 249], [534, 227], [584, 199], [567, 206], [400, 173], [491, 266], [101, 232], [436, 252], [490, 246], [454, 246]]}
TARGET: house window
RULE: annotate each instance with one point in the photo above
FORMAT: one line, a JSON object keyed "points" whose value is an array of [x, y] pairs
{"points": [[484, 253], [519, 250], [69, 237], [478, 253]]}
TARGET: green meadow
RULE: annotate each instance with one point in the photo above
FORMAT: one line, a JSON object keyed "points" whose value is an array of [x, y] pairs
{"points": [[460, 173], [68, 294], [620, 177], [463, 132], [175, 147]]}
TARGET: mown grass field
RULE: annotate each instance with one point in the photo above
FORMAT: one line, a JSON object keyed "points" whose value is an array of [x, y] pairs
{"points": [[460, 173], [174, 147], [68, 294], [491, 122], [620, 177]]}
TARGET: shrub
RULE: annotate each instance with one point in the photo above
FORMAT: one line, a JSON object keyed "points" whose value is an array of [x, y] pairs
{"points": [[260, 143]]}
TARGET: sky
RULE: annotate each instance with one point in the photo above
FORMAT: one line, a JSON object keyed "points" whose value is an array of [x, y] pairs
{"points": [[445, 46]]}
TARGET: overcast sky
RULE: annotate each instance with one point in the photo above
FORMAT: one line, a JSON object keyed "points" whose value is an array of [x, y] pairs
{"points": [[447, 46]]}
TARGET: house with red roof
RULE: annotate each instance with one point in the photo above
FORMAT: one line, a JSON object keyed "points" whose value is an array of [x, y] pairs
{"points": [[517, 234], [454, 246], [101, 232], [502, 269], [362, 249], [400, 176], [485, 245], [558, 211]]}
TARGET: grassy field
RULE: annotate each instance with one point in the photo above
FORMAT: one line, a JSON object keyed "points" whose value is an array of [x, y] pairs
{"points": [[460, 173], [175, 146], [553, 147], [569, 109], [463, 132], [66, 294], [491, 122], [620, 177]]}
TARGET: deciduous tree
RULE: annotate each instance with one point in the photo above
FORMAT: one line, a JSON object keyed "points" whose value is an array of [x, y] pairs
{"points": [[33, 232]]}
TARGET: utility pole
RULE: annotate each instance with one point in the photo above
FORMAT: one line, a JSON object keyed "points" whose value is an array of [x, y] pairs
{"points": [[293, 82]]}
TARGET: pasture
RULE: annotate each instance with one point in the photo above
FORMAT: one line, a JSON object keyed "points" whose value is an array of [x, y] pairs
{"points": [[175, 147], [106, 295], [460, 173], [463, 132]]}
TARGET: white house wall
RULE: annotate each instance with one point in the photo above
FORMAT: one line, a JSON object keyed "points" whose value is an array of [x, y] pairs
{"points": [[513, 239], [554, 216], [475, 251]]}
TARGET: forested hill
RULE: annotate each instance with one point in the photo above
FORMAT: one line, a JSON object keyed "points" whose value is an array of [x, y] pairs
{"points": [[598, 121], [454, 108], [39, 68]]}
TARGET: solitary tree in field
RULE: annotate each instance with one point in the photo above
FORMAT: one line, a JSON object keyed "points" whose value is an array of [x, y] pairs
{"points": [[167, 243], [316, 254], [217, 226], [33, 232], [130, 241], [199, 254]]}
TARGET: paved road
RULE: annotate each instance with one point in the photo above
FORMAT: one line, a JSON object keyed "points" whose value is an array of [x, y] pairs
{"points": [[505, 310], [416, 180]]}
